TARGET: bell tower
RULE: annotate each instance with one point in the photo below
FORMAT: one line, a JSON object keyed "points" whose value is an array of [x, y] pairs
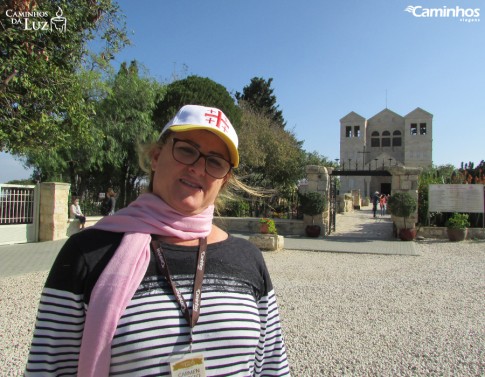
{"points": [[418, 138], [352, 140]]}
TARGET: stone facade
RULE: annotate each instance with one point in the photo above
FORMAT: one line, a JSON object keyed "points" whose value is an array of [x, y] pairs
{"points": [[387, 139]]}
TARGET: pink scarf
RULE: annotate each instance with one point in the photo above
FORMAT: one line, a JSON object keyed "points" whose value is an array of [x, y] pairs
{"points": [[120, 279]]}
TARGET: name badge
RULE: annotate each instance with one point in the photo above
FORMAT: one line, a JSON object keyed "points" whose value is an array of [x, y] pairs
{"points": [[191, 365]]}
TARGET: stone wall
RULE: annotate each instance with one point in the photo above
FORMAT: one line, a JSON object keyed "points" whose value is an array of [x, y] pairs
{"points": [[440, 233], [248, 225]]}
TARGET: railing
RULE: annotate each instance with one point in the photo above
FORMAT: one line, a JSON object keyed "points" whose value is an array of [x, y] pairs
{"points": [[16, 204]]}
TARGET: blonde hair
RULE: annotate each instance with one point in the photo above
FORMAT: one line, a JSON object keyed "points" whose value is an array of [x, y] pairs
{"points": [[230, 189]]}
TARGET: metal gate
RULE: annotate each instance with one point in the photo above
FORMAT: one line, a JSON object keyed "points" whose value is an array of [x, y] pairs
{"points": [[333, 204], [333, 189], [19, 213]]}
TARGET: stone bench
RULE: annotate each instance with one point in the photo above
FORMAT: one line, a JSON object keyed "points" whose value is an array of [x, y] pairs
{"points": [[73, 227]]}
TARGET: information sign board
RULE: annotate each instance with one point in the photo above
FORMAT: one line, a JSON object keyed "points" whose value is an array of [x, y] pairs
{"points": [[456, 198]]}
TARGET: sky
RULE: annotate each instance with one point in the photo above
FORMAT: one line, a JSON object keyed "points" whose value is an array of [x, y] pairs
{"points": [[326, 60]]}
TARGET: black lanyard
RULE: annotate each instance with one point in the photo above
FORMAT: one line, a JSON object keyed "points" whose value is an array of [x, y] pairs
{"points": [[199, 277]]}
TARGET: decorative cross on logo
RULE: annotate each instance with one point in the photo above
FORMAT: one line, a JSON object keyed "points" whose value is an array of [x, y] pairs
{"points": [[221, 121]]}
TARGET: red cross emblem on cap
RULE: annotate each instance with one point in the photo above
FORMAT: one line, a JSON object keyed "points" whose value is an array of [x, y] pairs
{"points": [[219, 118]]}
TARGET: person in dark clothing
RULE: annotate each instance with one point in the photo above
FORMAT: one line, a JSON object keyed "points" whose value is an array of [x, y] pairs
{"points": [[375, 200], [109, 203]]}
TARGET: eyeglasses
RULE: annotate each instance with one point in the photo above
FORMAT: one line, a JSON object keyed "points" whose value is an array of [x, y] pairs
{"points": [[186, 153]]}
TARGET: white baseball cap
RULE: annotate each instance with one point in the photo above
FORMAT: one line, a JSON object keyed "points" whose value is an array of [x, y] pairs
{"points": [[195, 117]]}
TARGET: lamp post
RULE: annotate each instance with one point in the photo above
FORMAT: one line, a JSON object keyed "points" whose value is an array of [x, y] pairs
{"points": [[375, 159]]}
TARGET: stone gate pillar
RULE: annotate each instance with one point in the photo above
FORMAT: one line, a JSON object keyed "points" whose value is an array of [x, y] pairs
{"points": [[54, 209], [318, 180], [405, 179]]}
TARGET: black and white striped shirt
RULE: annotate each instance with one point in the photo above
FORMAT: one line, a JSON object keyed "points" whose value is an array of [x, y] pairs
{"points": [[238, 332]]}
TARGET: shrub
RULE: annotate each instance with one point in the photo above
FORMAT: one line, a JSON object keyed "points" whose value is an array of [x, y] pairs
{"points": [[402, 204], [458, 221], [236, 208], [312, 204], [270, 223]]}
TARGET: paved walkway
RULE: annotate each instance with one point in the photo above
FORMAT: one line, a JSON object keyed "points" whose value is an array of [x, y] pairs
{"points": [[356, 232], [28, 257]]}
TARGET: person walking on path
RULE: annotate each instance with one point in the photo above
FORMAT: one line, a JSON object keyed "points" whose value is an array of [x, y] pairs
{"points": [[375, 200], [156, 288], [383, 204]]}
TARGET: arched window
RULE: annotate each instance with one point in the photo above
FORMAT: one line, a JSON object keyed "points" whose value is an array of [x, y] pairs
{"points": [[386, 139], [374, 140], [396, 139]]}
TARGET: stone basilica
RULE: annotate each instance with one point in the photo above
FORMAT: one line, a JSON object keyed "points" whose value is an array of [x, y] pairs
{"points": [[386, 139]]}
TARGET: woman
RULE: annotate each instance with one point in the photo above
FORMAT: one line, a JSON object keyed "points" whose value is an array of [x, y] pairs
{"points": [[156, 289], [382, 204], [76, 212], [109, 203]]}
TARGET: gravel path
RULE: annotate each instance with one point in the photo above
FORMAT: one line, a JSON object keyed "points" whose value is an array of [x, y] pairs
{"points": [[369, 315], [343, 314]]}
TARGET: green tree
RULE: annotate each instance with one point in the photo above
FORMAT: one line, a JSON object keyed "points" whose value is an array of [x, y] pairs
{"points": [[195, 90], [121, 120], [315, 158], [125, 119], [271, 157], [38, 82], [259, 95], [74, 159]]}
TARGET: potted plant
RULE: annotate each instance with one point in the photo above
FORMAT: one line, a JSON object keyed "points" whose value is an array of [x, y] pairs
{"points": [[267, 226], [457, 226], [312, 204], [403, 204]]}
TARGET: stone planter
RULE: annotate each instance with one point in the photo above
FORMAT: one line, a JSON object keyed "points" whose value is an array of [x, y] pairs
{"points": [[455, 234], [270, 242]]}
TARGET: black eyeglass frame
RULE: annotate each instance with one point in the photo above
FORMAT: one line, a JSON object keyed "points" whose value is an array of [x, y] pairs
{"points": [[176, 140]]}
